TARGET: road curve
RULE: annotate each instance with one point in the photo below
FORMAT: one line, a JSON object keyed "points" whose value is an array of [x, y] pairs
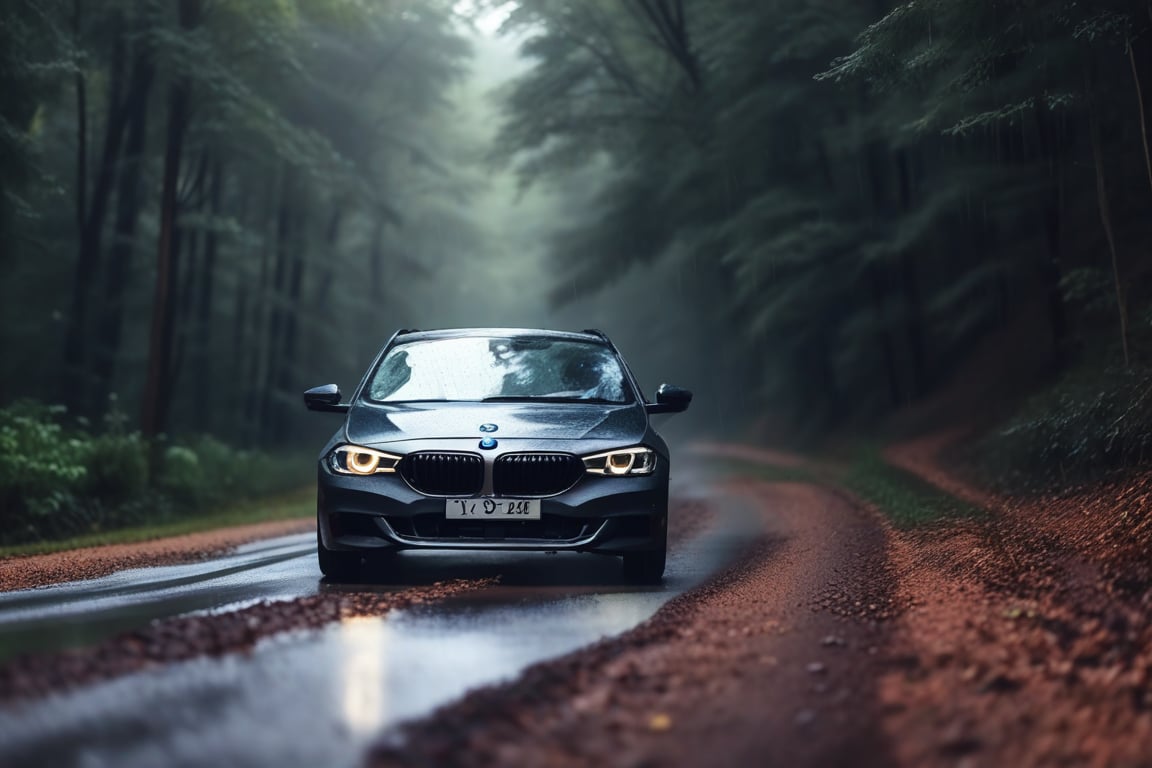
{"points": [[85, 612], [319, 696]]}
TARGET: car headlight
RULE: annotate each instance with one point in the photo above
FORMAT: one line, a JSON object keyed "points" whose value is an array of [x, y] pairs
{"points": [[626, 461], [354, 460]]}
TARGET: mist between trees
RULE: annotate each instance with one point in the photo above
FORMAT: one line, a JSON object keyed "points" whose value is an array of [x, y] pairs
{"points": [[820, 206], [873, 188]]}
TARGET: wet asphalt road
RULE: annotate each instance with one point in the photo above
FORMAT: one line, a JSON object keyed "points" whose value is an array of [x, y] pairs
{"points": [[84, 612], [317, 697]]}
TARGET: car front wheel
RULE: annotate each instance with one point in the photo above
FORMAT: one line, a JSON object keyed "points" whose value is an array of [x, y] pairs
{"points": [[646, 567], [337, 566]]}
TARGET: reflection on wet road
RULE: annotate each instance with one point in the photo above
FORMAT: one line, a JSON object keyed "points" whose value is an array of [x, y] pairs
{"points": [[87, 611], [319, 698]]}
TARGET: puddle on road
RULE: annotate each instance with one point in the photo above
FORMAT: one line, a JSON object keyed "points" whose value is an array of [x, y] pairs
{"points": [[320, 698]]}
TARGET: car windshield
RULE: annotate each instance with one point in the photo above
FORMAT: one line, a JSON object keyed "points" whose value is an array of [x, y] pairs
{"points": [[499, 368]]}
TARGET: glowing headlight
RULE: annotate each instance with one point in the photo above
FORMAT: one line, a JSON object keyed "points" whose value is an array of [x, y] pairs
{"points": [[626, 461], [354, 460]]}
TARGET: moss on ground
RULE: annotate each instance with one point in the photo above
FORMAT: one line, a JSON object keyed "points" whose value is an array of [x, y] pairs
{"points": [[906, 500]]}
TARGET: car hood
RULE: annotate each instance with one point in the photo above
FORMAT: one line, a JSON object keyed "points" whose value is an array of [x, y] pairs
{"points": [[368, 424]]}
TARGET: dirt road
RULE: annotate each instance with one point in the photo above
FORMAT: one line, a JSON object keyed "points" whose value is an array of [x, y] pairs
{"points": [[775, 663], [796, 627], [1020, 639]]}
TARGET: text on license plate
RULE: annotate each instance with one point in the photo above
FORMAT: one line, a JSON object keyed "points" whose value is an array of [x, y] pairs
{"points": [[493, 509]]}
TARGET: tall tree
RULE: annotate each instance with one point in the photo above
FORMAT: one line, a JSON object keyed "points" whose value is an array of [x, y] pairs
{"points": [[158, 387]]}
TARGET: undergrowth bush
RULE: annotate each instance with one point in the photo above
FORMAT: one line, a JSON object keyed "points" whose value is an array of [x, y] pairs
{"points": [[1088, 424], [116, 467], [231, 472], [40, 468], [58, 479]]}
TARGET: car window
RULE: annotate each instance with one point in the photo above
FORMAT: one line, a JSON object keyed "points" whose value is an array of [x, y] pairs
{"points": [[488, 368]]}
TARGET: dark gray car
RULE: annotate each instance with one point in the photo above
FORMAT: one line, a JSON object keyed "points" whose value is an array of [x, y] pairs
{"points": [[488, 438]]}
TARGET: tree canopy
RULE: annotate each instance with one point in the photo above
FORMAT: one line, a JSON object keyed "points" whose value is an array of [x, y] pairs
{"points": [[872, 188], [302, 143]]}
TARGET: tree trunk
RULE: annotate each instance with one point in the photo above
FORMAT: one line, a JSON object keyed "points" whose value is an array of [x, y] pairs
{"points": [[202, 390], [825, 373], [317, 340], [81, 124], [241, 360], [876, 282], [1052, 269], [157, 390], [668, 20], [328, 272], [277, 311], [376, 294], [187, 276], [256, 356], [109, 328], [1140, 106], [910, 285], [1109, 232], [76, 384], [285, 381]]}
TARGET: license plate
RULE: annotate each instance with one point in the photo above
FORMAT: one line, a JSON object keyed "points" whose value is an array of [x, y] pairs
{"points": [[493, 509]]}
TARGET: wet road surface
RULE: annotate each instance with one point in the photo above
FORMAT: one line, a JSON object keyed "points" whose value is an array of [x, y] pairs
{"points": [[78, 613], [319, 697]]}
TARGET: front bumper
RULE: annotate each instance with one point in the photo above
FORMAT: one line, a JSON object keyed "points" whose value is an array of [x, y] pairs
{"points": [[612, 515]]}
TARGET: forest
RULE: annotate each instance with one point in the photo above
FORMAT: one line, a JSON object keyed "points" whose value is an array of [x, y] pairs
{"points": [[821, 210]]}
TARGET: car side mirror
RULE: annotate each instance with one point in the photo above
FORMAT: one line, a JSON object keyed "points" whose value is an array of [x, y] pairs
{"points": [[670, 399], [325, 399]]}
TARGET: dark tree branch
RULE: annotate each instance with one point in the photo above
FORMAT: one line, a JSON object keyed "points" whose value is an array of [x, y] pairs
{"points": [[672, 29]]}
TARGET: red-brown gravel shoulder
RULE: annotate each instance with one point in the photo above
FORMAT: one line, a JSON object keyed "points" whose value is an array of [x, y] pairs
{"points": [[774, 662], [1030, 639], [27, 571]]}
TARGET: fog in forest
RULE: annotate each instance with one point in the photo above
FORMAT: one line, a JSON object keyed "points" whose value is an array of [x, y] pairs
{"points": [[505, 278], [826, 218]]}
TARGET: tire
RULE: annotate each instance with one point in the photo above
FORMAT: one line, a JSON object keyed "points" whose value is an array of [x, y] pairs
{"points": [[646, 567], [383, 566], [337, 566]]}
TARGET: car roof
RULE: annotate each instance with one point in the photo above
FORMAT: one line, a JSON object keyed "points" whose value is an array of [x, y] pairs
{"points": [[591, 337]]}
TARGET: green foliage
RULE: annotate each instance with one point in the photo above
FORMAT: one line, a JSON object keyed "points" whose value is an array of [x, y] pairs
{"points": [[871, 197], [40, 467], [299, 504], [34, 55], [37, 452], [903, 498], [207, 472], [182, 477], [973, 66], [58, 481], [1091, 422], [1089, 288], [906, 500], [115, 467], [318, 143]]}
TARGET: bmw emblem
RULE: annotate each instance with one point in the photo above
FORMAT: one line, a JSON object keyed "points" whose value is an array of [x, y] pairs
{"points": [[488, 428], [488, 443]]}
